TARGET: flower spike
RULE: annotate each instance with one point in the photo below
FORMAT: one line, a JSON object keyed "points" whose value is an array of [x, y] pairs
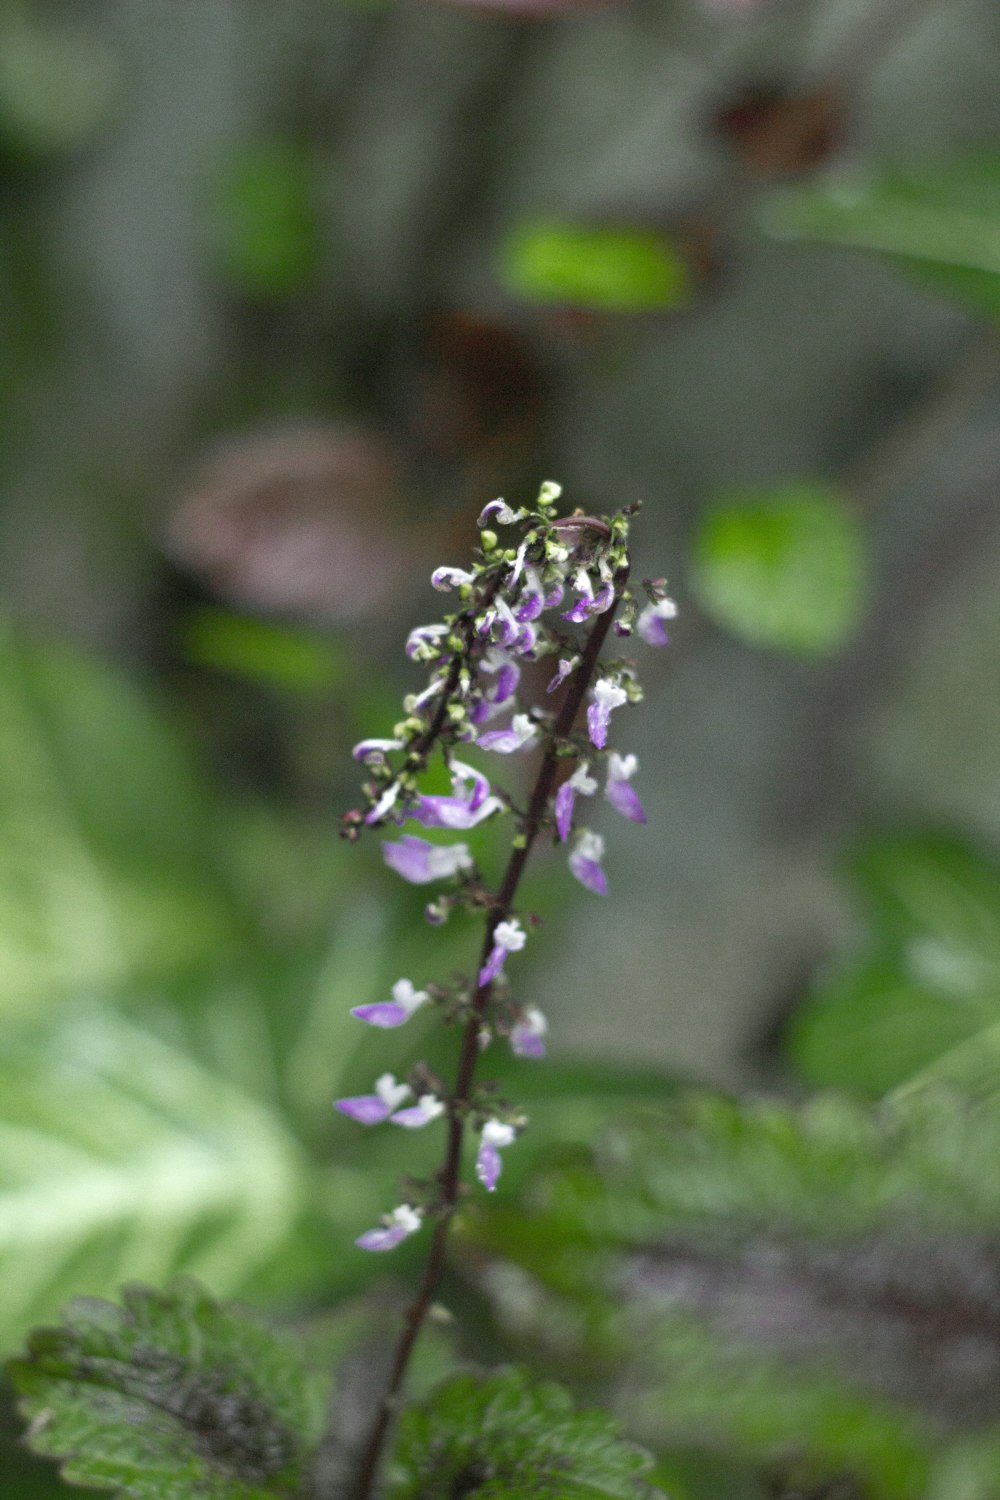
{"points": [[403, 1221]]}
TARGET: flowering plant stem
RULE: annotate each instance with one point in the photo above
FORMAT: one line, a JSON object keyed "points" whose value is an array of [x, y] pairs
{"points": [[499, 911]]}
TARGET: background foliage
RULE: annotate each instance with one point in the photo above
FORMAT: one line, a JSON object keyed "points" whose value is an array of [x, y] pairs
{"points": [[284, 298]]}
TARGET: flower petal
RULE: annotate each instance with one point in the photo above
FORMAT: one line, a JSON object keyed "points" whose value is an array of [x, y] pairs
{"points": [[384, 1013]]}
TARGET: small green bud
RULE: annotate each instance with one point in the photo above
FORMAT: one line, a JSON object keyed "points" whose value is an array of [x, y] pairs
{"points": [[487, 540]]}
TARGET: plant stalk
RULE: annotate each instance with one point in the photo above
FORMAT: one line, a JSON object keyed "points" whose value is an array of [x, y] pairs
{"points": [[500, 911]]}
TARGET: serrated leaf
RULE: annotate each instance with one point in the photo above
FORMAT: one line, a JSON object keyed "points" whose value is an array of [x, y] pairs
{"points": [[121, 1157], [610, 270], [105, 869], [172, 1396], [785, 568], [506, 1437], [818, 1281], [941, 221], [928, 981]]}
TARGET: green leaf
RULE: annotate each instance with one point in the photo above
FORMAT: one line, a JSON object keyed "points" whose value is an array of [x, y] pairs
{"points": [[105, 867], [927, 982], [777, 1280], [261, 219], [610, 270], [505, 1437], [171, 1397], [785, 568], [940, 221], [935, 905], [870, 1028], [121, 1157], [58, 83], [282, 656]]}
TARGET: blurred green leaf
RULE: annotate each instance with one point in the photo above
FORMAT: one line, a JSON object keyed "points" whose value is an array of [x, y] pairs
{"points": [[927, 981], [58, 83], [171, 1397], [281, 656], [261, 219], [939, 220], [106, 870], [507, 1437], [784, 568], [776, 1282], [610, 270], [121, 1157]]}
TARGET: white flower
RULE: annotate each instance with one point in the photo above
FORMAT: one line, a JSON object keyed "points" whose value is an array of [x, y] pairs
{"points": [[510, 936]]}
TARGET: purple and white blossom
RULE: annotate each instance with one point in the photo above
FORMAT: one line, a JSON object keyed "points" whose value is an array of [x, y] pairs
{"points": [[420, 643], [650, 623], [489, 1165], [372, 1109], [403, 1221], [608, 695], [469, 804], [500, 513], [386, 1014], [373, 752], [580, 783], [619, 789], [508, 937], [385, 803], [527, 1038], [420, 862], [566, 666], [522, 735], [532, 600], [585, 863], [445, 579], [498, 663], [427, 1108], [582, 609]]}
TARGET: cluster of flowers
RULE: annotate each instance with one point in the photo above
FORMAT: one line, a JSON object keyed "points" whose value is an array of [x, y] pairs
{"points": [[518, 604]]}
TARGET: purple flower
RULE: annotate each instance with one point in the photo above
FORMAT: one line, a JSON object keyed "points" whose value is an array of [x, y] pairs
{"points": [[426, 1109], [532, 600], [554, 597], [607, 696], [510, 628], [521, 735], [445, 579], [385, 803], [465, 808], [386, 1014], [650, 623], [497, 663], [501, 511], [565, 798], [403, 1221], [508, 937], [585, 863], [372, 752], [566, 666], [488, 1163], [528, 1037], [419, 861], [579, 612], [372, 1109], [619, 790], [420, 643]]}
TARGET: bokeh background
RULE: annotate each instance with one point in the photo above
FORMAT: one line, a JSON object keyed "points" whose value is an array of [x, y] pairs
{"points": [[287, 292]]}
